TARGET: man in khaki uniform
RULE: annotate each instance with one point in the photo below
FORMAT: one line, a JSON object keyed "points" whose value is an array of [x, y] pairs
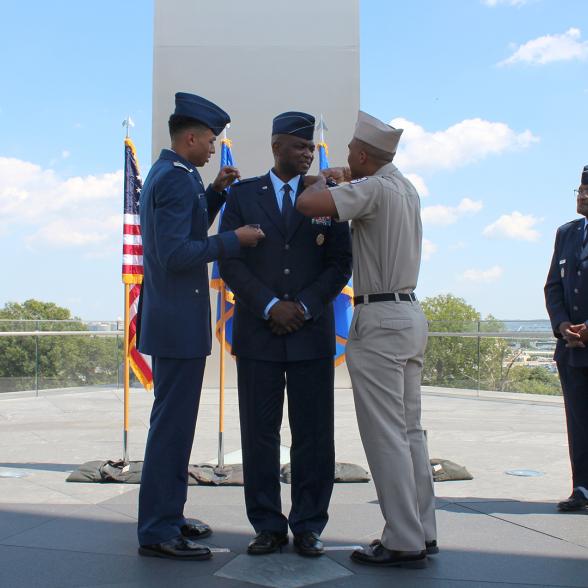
{"points": [[387, 336]]}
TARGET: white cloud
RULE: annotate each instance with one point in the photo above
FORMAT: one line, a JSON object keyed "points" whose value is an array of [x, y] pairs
{"points": [[550, 48], [514, 226], [418, 183], [80, 211], [429, 248], [65, 154], [481, 276], [493, 3], [463, 143], [441, 215]]}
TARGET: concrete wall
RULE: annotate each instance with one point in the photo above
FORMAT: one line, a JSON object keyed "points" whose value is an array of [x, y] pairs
{"points": [[257, 58]]}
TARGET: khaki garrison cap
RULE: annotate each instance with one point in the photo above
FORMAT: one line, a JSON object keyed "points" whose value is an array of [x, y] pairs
{"points": [[374, 132]]}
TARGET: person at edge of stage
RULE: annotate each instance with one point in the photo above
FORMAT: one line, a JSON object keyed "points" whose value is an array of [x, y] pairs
{"points": [[284, 336], [387, 336], [567, 306], [174, 316]]}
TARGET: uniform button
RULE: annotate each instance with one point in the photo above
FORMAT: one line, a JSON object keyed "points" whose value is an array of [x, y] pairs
{"points": [[579, 273], [576, 290], [286, 246], [575, 308], [196, 291], [287, 272], [286, 296]]}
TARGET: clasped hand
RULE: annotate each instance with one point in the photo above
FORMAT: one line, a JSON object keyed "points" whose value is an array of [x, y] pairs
{"points": [[286, 317], [574, 335]]}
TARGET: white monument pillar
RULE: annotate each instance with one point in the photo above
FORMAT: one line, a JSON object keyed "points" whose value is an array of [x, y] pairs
{"points": [[255, 59]]}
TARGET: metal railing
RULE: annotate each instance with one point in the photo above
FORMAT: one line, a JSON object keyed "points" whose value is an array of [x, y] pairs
{"points": [[507, 356]]}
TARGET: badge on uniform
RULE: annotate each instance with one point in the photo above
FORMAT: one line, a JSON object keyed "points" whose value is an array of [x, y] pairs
{"points": [[359, 180], [562, 270], [320, 239], [321, 220]]}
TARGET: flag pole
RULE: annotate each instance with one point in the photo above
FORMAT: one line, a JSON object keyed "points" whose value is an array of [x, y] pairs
{"points": [[127, 123], [126, 369], [221, 386]]}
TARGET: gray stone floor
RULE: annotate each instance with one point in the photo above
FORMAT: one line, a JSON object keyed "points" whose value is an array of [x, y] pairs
{"points": [[496, 530]]}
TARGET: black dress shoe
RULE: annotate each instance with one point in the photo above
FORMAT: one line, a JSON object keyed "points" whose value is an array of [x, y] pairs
{"points": [[178, 548], [267, 542], [378, 555], [195, 529], [431, 547], [309, 544], [577, 501]]}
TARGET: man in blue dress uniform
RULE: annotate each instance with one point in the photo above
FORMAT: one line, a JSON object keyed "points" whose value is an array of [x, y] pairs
{"points": [[174, 316], [567, 304], [284, 335]]}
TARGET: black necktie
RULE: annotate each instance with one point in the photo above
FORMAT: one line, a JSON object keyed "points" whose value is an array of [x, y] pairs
{"points": [[286, 204]]}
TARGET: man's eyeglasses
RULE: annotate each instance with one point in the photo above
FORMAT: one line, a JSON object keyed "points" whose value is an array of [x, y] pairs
{"points": [[581, 192]]}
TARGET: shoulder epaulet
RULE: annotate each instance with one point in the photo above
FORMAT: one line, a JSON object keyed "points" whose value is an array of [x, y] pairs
{"points": [[568, 224], [359, 180], [180, 164], [244, 181]]}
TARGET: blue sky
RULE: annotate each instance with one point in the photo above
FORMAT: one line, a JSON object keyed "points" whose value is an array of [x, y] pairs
{"points": [[493, 96]]}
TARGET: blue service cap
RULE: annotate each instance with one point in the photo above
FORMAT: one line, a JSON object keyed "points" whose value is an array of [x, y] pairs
{"points": [[202, 110], [585, 175], [298, 124]]}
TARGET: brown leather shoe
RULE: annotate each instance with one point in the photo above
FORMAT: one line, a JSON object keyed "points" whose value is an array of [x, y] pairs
{"points": [[195, 529], [376, 554], [178, 548], [309, 544], [267, 542], [577, 501]]}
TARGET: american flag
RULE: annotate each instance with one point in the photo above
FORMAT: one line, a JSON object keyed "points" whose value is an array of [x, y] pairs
{"points": [[132, 265]]}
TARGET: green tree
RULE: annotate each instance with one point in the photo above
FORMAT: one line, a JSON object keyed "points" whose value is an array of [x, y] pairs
{"points": [[451, 361], [469, 362], [57, 361], [532, 380]]}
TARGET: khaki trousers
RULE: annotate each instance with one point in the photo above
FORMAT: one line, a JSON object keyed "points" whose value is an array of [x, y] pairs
{"points": [[385, 352]]}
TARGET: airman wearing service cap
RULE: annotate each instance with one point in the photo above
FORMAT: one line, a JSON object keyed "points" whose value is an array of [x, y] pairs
{"points": [[387, 336], [174, 316]]}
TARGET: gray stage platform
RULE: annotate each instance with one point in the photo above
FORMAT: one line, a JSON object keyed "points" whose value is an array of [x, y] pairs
{"points": [[496, 530]]}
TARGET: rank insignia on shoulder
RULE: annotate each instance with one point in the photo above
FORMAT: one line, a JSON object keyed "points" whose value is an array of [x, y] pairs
{"points": [[321, 220], [359, 180], [180, 164], [246, 180]]}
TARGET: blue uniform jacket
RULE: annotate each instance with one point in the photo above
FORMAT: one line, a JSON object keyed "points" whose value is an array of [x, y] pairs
{"points": [[176, 212], [309, 261], [566, 289]]}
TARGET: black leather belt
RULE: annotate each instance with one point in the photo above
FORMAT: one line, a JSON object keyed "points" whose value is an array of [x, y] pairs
{"points": [[395, 296]]}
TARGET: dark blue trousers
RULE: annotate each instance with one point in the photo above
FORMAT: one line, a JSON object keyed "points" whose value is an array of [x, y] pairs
{"points": [[574, 383], [164, 480], [312, 455]]}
